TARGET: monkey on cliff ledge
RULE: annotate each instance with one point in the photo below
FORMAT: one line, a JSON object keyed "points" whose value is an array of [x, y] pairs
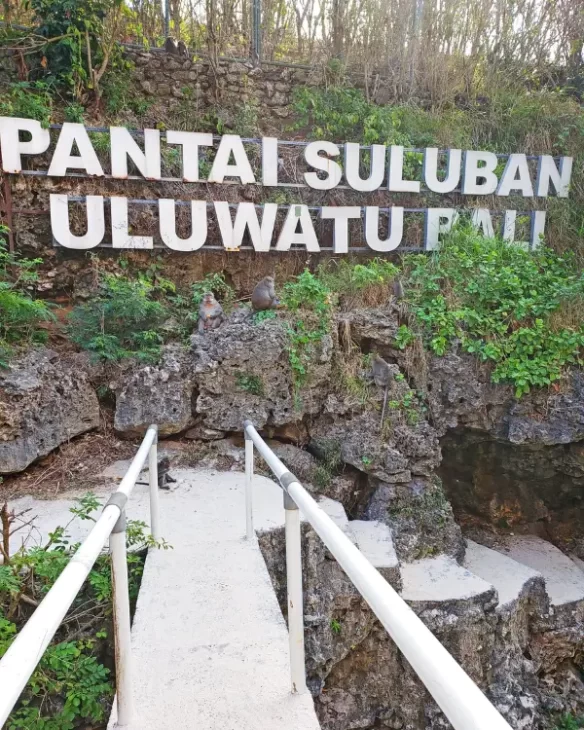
{"points": [[210, 313], [264, 295]]}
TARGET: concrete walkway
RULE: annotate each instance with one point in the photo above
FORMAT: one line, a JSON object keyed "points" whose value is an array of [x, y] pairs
{"points": [[210, 645]]}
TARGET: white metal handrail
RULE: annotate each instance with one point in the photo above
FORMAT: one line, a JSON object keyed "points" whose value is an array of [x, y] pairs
{"points": [[463, 703], [25, 652]]}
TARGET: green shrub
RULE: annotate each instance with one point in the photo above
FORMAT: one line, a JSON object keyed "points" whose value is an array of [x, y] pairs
{"points": [[501, 303], [123, 320], [310, 300], [570, 722], [20, 314], [70, 688], [29, 99]]}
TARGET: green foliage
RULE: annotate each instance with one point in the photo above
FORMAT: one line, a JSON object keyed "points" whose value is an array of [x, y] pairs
{"points": [[75, 46], [359, 283], [74, 112], [404, 337], [570, 722], [410, 406], [309, 299], [251, 383], [335, 626], [260, 317], [502, 304], [70, 688], [214, 283], [29, 99], [123, 320], [20, 314]]}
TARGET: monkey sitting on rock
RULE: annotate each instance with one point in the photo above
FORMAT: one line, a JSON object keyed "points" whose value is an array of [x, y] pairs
{"points": [[210, 313], [264, 295]]}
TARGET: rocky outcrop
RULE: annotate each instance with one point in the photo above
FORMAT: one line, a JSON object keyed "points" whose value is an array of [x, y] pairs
{"points": [[45, 400], [160, 394]]}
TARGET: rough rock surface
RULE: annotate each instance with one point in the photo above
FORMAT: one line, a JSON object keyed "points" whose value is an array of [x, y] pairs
{"points": [[44, 401], [242, 371], [159, 394]]}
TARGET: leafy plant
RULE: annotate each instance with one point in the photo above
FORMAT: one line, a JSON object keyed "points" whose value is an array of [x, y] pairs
{"points": [[71, 687], [335, 626], [500, 303], [310, 300], [20, 314], [30, 99], [570, 722], [404, 337], [214, 283], [252, 383], [123, 320]]}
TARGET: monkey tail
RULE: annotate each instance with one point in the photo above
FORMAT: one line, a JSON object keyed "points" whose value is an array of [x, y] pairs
{"points": [[384, 408]]}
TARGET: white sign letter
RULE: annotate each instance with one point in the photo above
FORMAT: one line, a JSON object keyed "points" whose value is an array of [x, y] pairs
{"points": [[377, 169], [481, 220], [341, 214], [190, 141], [298, 214], [516, 177], [123, 145], [63, 160], [59, 205], [167, 222], [246, 217], [395, 229], [332, 169], [473, 173], [12, 147], [269, 161], [438, 220], [548, 172], [397, 184], [454, 164], [231, 143], [121, 237]]}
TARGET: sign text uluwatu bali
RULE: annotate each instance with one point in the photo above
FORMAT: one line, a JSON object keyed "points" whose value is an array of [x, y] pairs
{"points": [[320, 166]]}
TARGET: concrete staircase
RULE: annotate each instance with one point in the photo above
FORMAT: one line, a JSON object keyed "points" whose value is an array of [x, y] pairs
{"points": [[517, 567]]}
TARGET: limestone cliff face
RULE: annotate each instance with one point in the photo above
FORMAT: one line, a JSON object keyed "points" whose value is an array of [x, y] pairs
{"points": [[451, 439]]}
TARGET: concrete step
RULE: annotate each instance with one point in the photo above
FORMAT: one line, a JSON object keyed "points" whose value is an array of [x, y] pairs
{"points": [[563, 578], [336, 512], [513, 580], [442, 580], [375, 541]]}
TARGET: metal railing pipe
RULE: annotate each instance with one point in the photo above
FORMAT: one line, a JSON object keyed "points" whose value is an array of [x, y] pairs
{"points": [[25, 652], [249, 533], [461, 700], [295, 606], [153, 483], [122, 622]]}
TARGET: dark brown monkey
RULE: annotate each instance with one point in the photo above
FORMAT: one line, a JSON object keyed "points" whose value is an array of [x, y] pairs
{"points": [[170, 46], [210, 313], [382, 375], [398, 289], [182, 49], [164, 478], [264, 295]]}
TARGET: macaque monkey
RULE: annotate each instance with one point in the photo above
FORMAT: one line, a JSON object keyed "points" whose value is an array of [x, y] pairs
{"points": [[382, 375], [264, 295], [164, 478], [210, 313], [170, 46], [182, 49]]}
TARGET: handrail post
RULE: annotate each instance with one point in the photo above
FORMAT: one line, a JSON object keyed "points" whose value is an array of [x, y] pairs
{"points": [[294, 588], [122, 626], [153, 480], [249, 533]]}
